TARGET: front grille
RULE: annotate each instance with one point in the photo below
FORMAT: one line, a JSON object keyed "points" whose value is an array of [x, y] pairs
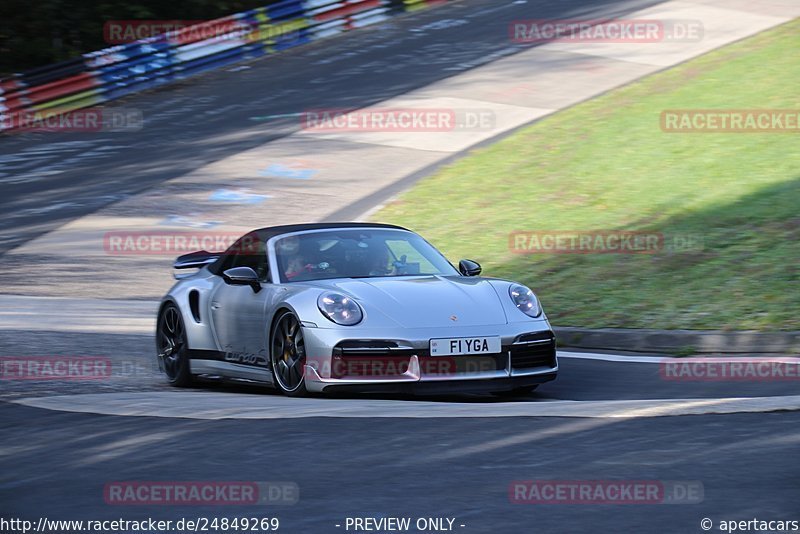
{"points": [[370, 358], [387, 359], [531, 351], [367, 345]]}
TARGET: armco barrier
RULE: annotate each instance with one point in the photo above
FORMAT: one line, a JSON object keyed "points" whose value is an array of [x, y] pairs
{"points": [[118, 71]]}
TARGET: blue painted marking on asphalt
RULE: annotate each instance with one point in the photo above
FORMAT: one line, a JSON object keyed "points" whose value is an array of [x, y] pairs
{"points": [[237, 196], [189, 222], [276, 170]]}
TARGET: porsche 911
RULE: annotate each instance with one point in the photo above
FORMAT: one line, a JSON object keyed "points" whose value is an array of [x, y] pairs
{"points": [[328, 307]]}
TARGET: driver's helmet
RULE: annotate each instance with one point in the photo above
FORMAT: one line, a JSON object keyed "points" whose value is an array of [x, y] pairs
{"points": [[288, 246]]}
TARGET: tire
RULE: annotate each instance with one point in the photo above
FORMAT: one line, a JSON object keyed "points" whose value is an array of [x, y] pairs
{"points": [[288, 355], [516, 392], [171, 347]]}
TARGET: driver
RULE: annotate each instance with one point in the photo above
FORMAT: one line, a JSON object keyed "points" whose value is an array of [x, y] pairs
{"points": [[288, 249], [296, 262]]}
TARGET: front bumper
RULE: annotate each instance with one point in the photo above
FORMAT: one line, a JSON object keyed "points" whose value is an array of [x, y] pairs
{"points": [[390, 360]]}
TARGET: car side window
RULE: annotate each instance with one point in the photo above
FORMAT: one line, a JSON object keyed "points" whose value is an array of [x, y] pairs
{"points": [[248, 251]]}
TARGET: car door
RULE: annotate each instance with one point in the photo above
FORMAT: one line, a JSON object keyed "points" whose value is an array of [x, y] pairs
{"points": [[238, 312]]}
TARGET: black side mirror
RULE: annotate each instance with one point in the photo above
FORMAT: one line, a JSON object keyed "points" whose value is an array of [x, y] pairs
{"points": [[242, 276], [469, 268]]}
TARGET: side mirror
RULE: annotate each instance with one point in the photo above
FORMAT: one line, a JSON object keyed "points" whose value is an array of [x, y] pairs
{"points": [[242, 276], [469, 268]]}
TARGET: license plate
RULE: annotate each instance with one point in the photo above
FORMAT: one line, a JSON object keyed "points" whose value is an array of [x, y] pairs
{"points": [[465, 345]]}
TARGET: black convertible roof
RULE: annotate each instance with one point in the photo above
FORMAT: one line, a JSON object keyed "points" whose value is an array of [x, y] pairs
{"points": [[271, 231], [215, 259]]}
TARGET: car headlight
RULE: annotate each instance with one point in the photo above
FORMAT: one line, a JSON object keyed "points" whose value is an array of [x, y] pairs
{"points": [[340, 309], [525, 300]]}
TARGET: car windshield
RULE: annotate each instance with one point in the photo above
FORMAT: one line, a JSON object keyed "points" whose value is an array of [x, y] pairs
{"points": [[359, 253]]}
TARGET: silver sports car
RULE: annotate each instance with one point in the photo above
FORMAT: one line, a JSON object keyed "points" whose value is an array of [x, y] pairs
{"points": [[350, 306]]}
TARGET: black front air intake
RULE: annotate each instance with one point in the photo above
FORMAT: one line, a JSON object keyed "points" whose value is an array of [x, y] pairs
{"points": [[536, 350]]}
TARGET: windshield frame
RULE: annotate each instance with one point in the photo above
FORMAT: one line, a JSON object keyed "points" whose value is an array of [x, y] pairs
{"points": [[277, 275]]}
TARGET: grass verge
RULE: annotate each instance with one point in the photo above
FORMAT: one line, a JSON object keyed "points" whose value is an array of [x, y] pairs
{"points": [[607, 165]]}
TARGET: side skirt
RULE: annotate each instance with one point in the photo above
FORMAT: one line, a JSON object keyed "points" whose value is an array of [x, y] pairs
{"points": [[213, 363]]}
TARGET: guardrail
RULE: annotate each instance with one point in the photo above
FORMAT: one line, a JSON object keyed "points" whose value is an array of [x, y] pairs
{"points": [[118, 71]]}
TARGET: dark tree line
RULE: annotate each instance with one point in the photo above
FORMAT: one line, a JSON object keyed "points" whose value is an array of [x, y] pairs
{"points": [[39, 32]]}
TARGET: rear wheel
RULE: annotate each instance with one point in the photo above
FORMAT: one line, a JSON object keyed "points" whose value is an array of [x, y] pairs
{"points": [[288, 355], [172, 347]]}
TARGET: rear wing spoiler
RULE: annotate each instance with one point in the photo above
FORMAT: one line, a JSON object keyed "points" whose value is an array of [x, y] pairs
{"points": [[195, 260]]}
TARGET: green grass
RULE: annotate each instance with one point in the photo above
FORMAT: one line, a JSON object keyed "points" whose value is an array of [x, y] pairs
{"points": [[606, 165]]}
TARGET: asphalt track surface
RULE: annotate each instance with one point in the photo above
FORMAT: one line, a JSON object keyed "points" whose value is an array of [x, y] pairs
{"points": [[201, 120], [56, 463], [396, 467]]}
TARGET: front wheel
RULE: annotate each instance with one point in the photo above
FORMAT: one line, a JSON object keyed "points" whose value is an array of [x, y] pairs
{"points": [[173, 353], [288, 355]]}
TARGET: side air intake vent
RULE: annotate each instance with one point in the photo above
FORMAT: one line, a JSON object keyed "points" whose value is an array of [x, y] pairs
{"points": [[194, 304]]}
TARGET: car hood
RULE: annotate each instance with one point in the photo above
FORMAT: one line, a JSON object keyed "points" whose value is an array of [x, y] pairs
{"points": [[425, 301]]}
